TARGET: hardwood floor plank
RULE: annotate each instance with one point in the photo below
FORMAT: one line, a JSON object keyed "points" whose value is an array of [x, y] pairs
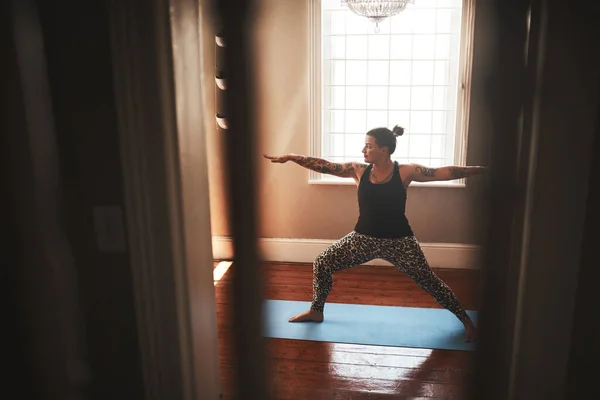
{"points": [[300, 347], [332, 370], [291, 384], [366, 356]]}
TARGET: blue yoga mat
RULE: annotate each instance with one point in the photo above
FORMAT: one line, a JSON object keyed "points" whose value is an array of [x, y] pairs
{"points": [[429, 328]]}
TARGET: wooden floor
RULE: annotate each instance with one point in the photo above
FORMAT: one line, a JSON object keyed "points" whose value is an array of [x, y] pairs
{"points": [[316, 370]]}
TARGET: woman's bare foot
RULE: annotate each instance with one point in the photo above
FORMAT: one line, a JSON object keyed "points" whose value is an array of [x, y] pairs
{"points": [[306, 316], [470, 331]]}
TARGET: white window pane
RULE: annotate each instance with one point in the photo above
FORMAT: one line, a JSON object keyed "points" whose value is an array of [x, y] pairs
{"points": [[336, 148], [338, 72], [424, 21], [325, 123], [400, 98], [421, 98], [326, 97], [441, 73], [426, 3], [356, 122], [356, 24], [376, 119], [423, 47], [331, 5], [338, 22], [420, 122], [401, 118], [449, 3], [402, 147], [338, 98], [326, 73], [326, 49], [436, 162], [356, 72], [444, 20], [377, 98], [358, 158], [438, 122], [456, 20], [379, 72], [402, 23], [401, 160], [356, 47], [379, 47], [419, 146], [417, 160], [440, 98], [356, 98], [336, 120], [325, 22], [400, 72], [338, 47], [438, 146], [442, 46], [401, 47], [335, 160], [362, 90], [354, 144], [384, 27], [422, 72]]}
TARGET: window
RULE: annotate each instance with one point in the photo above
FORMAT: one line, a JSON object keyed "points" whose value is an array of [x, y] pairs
{"points": [[414, 72]]}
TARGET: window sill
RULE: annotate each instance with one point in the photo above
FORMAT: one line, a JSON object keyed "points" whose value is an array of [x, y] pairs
{"points": [[350, 182]]}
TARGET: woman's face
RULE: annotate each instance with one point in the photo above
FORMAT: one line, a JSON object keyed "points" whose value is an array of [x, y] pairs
{"points": [[372, 152]]}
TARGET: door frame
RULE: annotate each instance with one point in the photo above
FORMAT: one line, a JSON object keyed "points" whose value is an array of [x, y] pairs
{"points": [[156, 48]]}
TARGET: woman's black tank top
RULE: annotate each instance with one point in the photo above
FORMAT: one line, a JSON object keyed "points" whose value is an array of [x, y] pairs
{"points": [[382, 207]]}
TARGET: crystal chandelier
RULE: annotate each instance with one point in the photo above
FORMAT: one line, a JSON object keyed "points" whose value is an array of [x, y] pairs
{"points": [[376, 10]]}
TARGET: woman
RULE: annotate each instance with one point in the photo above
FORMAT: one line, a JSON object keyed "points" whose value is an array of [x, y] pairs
{"points": [[382, 230]]}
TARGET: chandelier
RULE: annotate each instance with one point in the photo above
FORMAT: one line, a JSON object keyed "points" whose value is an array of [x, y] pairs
{"points": [[376, 10]]}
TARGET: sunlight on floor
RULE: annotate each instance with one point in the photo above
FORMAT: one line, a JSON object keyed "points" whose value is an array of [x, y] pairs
{"points": [[220, 270], [376, 372]]}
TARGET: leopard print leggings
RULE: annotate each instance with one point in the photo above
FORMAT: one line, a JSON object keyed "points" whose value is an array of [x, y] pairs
{"points": [[405, 253]]}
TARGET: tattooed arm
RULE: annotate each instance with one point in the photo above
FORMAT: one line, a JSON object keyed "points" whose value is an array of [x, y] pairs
{"points": [[343, 170], [420, 173]]}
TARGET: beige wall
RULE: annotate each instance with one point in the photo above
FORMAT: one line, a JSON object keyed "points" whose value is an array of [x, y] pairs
{"points": [[291, 208]]}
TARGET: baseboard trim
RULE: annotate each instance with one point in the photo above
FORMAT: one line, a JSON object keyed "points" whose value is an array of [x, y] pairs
{"points": [[439, 255]]}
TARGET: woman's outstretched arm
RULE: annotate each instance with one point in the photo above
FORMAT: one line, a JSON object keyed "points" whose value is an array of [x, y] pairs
{"points": [[343, 170], [420, 173]]}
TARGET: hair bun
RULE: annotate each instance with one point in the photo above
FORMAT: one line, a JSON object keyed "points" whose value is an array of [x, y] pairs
{"points": [[398, 130]]}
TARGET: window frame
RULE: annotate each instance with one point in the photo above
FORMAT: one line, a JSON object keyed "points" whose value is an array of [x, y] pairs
{"points": [[463, 101]]}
